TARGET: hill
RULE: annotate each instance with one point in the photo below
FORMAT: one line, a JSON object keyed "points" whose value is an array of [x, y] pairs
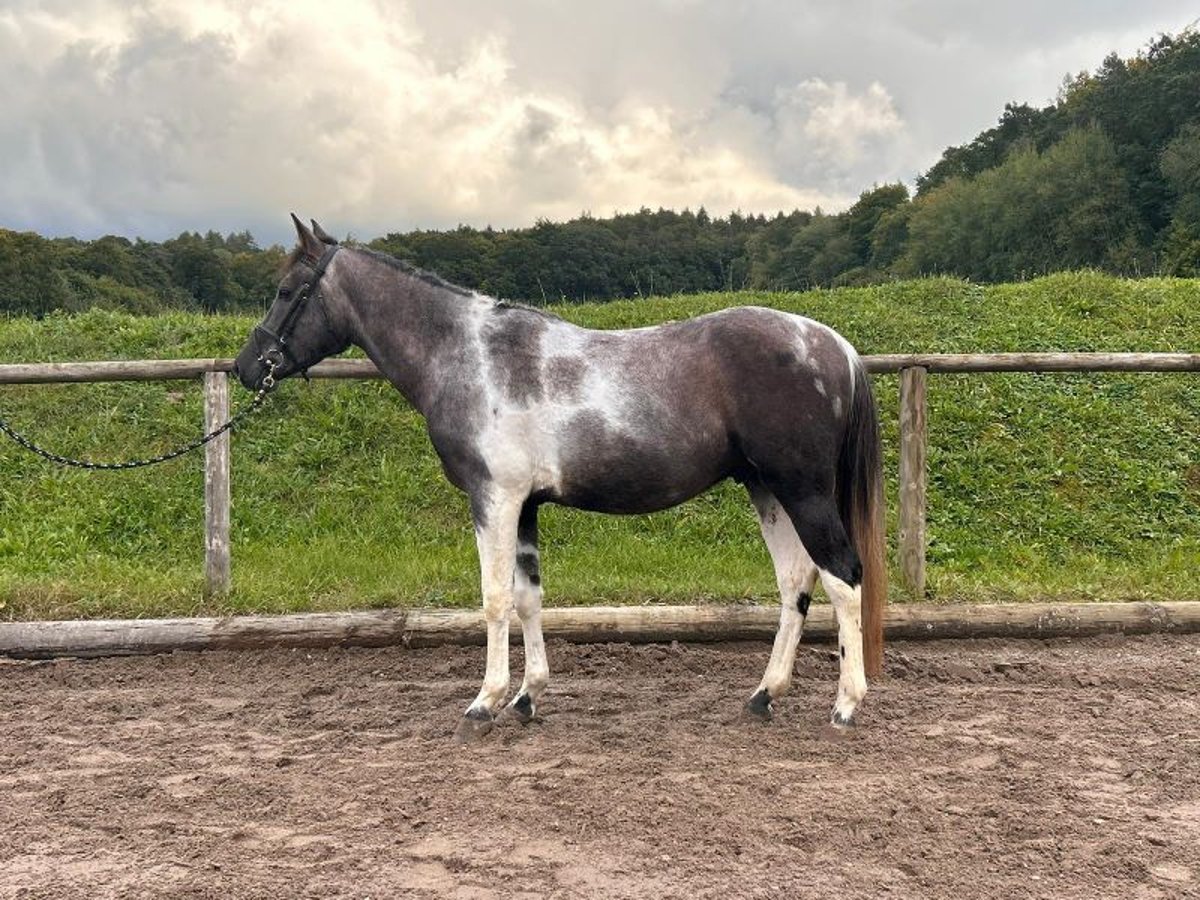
{"points": [[1041, 486]]}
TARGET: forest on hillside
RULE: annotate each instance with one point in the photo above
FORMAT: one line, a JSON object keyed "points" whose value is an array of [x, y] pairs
{"points": [[1106, 177]]}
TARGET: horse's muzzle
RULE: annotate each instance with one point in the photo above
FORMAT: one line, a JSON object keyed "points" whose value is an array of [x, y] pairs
{"points": [[249, 368]]}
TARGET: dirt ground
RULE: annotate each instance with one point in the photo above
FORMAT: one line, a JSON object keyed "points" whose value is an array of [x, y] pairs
{"points": [[1054, 769]]}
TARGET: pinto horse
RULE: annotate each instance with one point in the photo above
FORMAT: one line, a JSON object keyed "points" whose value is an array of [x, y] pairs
{"points": [[524, 408]]}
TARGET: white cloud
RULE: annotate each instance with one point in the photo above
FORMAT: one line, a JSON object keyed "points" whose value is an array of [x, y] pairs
{"points": [[835, 118], [826, 131]]}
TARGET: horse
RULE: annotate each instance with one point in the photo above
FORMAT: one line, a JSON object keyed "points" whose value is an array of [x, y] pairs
{"points": [[524, 408]]}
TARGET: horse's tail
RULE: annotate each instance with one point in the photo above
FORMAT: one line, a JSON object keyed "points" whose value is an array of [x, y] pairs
{"points": [[861, 505]]}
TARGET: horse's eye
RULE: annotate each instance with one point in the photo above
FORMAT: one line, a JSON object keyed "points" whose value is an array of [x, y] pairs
{"points": [[285, 294]]}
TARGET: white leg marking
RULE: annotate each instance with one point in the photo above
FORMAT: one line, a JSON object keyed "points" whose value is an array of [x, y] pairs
{"points": [[497, 542], [795, 574], [529, 607], [852, 681]]}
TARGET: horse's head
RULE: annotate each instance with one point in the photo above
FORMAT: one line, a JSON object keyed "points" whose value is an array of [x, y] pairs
{"points": [[299, 329]]}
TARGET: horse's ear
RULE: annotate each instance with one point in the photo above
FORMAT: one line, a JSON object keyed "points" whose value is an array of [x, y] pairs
{"points": [[309, 244], [322, 235]]}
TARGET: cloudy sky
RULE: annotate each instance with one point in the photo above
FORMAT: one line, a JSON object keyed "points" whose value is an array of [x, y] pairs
{"points": [[147, 117]]}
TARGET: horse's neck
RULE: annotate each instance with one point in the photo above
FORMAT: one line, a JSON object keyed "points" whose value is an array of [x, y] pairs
{"points": [[412, 330]]}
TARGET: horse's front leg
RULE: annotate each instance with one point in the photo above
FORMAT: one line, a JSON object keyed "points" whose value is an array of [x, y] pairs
{"points": [[496, 518]]}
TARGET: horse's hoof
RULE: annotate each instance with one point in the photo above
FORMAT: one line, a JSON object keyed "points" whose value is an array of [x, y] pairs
{"points": [[837, 720], [473, 726], [758, 707], [522, 708]]}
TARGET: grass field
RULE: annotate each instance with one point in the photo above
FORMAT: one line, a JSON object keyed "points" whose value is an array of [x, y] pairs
{"points": [[1042, 486]]}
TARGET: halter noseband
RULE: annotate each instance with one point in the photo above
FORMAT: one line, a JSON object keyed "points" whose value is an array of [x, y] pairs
{"points": [[278, 349]]}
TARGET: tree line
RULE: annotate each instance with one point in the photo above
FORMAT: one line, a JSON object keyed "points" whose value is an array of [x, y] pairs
{"points": [[212, 272], [1107, 176]]}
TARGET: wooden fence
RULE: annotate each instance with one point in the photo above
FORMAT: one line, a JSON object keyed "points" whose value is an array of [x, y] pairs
{"points": [[584, 624], [913, 370]]}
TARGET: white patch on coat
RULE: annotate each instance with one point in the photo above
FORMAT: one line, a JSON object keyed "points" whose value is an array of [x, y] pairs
{"points": [[524, 445], [563, 339], [805, 328]]}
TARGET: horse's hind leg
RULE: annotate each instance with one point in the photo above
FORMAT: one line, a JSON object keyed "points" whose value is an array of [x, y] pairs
{"points": [[819, 527], [528, 595], [796, 574]]}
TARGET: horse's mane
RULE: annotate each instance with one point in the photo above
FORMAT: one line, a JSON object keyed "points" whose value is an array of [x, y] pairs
{"points": [[409, 269]]}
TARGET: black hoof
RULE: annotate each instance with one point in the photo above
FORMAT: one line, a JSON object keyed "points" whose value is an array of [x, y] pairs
{"points": [[474, 725], [522, 708], [839, 721], [759, 706]]}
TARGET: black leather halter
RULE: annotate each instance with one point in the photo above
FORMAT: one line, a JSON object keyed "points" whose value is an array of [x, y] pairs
{"points": [[276, 342]]}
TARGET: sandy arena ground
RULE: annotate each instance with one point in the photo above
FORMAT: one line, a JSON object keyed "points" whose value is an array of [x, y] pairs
{"points": [[1060, 769]]}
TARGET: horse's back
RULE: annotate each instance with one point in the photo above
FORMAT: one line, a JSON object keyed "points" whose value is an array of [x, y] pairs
{"points": [[645, 418], [744, 361]]}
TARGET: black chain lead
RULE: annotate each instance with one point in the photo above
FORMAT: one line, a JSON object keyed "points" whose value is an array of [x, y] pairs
{"points": [[268, 384]]}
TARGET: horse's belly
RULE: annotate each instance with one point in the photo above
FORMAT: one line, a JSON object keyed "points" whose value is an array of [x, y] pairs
{"points": [[629, 496], [604, 470]]}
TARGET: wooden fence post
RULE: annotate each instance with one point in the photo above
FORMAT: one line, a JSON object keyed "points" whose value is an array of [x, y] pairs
{"points": [[912, 479], [216, 487]]}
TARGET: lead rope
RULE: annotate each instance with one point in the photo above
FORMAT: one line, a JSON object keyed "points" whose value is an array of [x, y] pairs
{"points": [[267, 386]]}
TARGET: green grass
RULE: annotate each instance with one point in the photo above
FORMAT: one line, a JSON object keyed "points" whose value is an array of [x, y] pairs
{"points": [[1042, 486]]}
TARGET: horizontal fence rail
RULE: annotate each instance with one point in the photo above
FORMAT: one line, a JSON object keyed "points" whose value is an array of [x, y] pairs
{"points": [[891, 363], [1035, 362], [159, 370], [582, 625], [912, 368]]}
